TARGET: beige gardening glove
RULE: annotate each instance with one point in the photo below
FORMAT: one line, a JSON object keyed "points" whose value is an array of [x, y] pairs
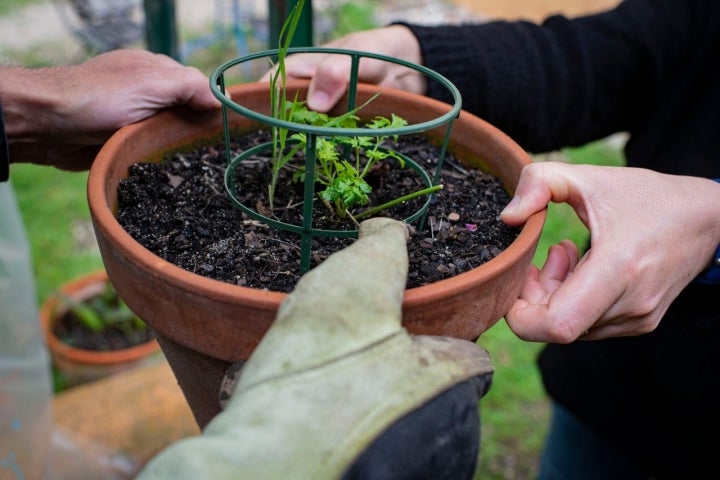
{"points": [[334, 372]]}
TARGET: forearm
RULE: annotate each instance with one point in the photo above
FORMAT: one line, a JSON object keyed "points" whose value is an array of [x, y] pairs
{"points": [[62, 115], [520, 77], [40, 107], [567, 81], [30, 99]]}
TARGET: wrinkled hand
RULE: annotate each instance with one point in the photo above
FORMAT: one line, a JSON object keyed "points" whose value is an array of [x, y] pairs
{"points": [[329, 74], [651, 234], [62, 115]]}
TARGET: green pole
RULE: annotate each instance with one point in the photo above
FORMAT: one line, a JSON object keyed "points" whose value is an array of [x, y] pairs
{"points": [[160, 27], [278, 11]]}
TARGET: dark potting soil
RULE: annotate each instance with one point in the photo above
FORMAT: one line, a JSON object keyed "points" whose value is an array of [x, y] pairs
{"points": [[179, 209]]}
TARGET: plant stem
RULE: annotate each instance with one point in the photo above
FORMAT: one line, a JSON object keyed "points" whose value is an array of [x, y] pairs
{"points": [[278, 95], [396, 201]]}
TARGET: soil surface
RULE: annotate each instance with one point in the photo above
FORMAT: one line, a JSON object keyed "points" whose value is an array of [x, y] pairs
{"points": [[179, 210]]}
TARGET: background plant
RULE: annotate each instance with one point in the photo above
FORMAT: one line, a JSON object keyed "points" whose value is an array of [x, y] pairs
{"points": [[104, 311]]}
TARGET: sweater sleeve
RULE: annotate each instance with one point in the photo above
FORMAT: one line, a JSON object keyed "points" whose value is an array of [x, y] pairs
{"points": [[566, 81], [4, 153]]}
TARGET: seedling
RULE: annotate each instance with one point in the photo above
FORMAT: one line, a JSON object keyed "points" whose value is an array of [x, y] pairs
{"points": [[343, 177], [339, 152], [104, 311], [344, 162], [278, 99]]}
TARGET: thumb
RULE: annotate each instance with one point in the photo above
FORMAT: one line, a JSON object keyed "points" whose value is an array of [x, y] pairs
{"points": [[533, 193], [328, 84], [193, 89]]}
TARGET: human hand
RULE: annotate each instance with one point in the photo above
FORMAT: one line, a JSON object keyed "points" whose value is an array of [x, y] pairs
{"points": [[651, 234], [62, 115], [330, 74]]}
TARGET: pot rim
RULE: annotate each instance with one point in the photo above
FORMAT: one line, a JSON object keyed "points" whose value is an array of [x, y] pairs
{"points": [[104, 219]]}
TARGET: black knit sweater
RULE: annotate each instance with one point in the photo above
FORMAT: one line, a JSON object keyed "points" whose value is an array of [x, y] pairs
{"points": [[650, 68]]}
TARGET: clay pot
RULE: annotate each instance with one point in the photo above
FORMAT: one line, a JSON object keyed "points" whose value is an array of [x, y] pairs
{"points": [[78, 365], [216, 323]]}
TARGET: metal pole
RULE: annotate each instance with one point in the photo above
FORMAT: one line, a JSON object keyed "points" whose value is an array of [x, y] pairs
{"points": [[160, 27], [278, 11]]}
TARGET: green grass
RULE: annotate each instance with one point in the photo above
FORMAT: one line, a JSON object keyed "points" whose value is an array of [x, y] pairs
{"points": [[56, 215], [348, 17], [514, 413], [9, 6]]}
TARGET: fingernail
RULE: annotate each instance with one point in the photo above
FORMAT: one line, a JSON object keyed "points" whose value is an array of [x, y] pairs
{"points": [[319, 100], [512, 206]]}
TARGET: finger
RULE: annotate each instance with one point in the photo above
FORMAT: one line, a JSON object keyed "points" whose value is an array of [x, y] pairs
{"points": [[603, 332], [298, 66], [539, 184], [329, 83], [328, 74], [562, 259], [542, 282], [196, 90], [577, 304], [627, 328], [539, 288]]}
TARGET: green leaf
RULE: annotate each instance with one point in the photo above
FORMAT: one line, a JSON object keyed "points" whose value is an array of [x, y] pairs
{"points": [[298, 176], [357, 142], [378, 122], [278, 94], [301, 114], [397, 121], [327, 150], [85, 313], [377, 155], [396, 156], [103, 311]]}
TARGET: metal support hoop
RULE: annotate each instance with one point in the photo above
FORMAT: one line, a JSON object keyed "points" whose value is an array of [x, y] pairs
{"points": [[306, 231], [217, 87], [231, 188]]}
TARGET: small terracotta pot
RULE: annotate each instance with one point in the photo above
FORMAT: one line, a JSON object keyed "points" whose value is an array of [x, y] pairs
{"points": [[78, 365], [222, 322]]}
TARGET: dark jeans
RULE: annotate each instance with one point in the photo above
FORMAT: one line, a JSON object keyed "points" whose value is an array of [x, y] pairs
{"points": [[574, 452]]}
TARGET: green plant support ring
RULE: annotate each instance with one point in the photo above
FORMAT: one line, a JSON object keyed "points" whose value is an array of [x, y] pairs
{"points": [[306, 230], [230, 187]]}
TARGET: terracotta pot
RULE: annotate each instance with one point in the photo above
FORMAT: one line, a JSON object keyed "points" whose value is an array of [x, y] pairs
{"points": [[76, 364], [224, 322]]}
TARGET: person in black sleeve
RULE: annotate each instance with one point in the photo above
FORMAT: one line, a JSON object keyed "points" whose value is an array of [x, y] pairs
{"points": [[632, 323]]}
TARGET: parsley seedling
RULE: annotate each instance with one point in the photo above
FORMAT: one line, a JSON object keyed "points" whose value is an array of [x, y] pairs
{"points": [[343, 162]]}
